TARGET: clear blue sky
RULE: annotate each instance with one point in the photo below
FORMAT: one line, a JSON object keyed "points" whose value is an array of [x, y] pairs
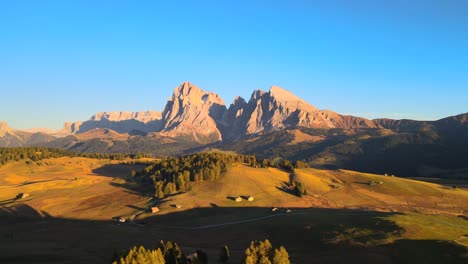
{"points": [[65, 60]]}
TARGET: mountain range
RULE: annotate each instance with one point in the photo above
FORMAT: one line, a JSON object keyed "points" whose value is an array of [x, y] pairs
{"points": [[204, 117], [270, 124]]}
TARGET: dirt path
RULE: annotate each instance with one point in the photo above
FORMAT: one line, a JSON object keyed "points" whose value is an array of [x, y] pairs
{"points": [[284, 214]]}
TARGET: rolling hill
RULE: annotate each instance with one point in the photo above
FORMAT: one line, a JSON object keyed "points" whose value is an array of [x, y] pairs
{"points": [[67, 216]]}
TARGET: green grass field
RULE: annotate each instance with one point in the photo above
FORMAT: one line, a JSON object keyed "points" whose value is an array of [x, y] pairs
{"points": [[343, 219]]}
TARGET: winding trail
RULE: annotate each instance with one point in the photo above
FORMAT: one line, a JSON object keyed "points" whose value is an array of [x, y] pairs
{"points": [[292, 213], [257, 220]]}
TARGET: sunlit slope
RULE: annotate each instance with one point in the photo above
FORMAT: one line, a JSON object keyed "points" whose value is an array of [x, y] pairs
{"points": [[98, 189], [363, 189], [68, 187], [326, 188]]}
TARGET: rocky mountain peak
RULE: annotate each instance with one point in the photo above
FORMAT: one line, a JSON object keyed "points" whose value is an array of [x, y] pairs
{"points": [[188, 93], [238, 101], [193, 112], [186, 89], [4, 128], [257, 94], [289, 99]]}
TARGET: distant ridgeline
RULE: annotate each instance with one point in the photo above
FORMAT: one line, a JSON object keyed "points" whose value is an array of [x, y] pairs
{"points": [[39, 153], [174, 174]]}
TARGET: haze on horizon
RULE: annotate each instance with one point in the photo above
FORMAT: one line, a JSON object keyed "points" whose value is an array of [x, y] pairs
{"points": [[65, 61]]}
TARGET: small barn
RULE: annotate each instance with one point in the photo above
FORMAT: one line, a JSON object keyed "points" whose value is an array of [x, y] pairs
{"points": [[22, 195], [250, 198], [238, 199], [154, 209]]}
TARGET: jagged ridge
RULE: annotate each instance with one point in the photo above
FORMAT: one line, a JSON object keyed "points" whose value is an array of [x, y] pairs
{"points": [[199, 116]]}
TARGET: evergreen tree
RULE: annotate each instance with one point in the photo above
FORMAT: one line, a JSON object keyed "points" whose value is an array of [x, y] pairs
{"points": [[141, 255], [261, 253], [281, 256], [264, 260], [181, 182]]}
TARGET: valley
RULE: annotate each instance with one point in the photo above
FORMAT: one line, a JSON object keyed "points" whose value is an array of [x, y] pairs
{"points": [[67, 216]]}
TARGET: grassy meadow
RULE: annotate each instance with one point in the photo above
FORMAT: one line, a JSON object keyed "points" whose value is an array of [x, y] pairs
{"points": [[67, 216]]}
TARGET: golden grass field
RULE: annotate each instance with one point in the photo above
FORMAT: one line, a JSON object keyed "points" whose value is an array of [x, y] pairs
{"points": [[327, 189], [67, 217], [77, 188]]}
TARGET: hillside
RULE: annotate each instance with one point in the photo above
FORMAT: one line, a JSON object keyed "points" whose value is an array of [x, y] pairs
{"points": [[95, 189], [326, 188], [426, 153], [67, 216], [77, 188]]}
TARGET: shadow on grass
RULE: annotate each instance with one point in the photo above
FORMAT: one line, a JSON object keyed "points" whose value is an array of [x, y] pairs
{"points": [[428, 251], [8, 201], [362, 183], [134, 188], [117, 170], [137, 208], [321, 235]]}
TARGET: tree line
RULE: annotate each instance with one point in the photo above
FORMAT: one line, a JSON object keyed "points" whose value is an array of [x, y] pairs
{"points": [[40, 153], [258, 252]]}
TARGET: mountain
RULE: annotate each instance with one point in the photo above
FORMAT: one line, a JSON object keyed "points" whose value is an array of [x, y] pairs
{"points": [[4, 129], [271, 124], [193, 113], [417, 148], [10, 137], [279, 109], [202, 116], [121, 122]]}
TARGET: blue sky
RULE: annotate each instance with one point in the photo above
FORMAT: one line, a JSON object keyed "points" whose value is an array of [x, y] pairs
{"points": [[65, 60]]}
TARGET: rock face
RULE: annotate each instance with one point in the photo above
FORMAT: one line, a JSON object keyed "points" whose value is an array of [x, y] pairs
{"points": [[200, 116], [122, 122], [279, 109], [4, 129], [145, 117], [194, 113]]}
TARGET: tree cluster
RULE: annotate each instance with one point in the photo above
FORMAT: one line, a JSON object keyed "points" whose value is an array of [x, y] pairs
{"points": [[263, 253], [141, 255], [165, 253], [170, 253], [296, 186], [173, 175]]}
